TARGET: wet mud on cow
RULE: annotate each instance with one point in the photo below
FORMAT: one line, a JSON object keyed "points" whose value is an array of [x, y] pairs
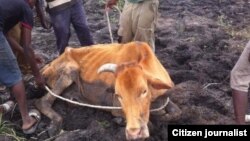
{"points": [[127, 75]]}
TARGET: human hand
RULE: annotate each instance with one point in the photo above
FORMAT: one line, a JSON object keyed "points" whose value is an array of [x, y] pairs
{"points": [[39, 81], [45, 22], [31, 3], [110, 4], [38, 59]]}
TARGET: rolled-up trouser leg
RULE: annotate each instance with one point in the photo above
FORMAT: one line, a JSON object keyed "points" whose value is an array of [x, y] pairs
{"points": [[240, 74], [239, 82]]}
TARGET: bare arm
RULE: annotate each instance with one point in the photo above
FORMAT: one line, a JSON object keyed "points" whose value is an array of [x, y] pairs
{"points": [[111, 3], [41, 14], [29, 55], [14, 44]]}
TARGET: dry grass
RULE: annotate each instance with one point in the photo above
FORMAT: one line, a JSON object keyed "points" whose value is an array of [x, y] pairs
{"points": [[6, 129], [231, 30]]}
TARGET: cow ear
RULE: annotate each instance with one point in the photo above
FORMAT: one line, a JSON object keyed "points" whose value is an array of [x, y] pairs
{"points": [[158, 84]]}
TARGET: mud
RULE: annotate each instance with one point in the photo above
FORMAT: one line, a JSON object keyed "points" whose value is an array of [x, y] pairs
{"points": [[198, 42]]}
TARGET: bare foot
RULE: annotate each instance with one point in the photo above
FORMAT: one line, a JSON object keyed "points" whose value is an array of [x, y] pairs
{"points": [[30, 122]]}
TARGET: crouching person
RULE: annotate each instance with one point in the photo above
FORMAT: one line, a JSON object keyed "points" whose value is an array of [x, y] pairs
{"points": [[12, 12]]}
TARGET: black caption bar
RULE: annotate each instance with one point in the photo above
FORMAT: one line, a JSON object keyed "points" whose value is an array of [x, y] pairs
{"points": [[208, 132]]}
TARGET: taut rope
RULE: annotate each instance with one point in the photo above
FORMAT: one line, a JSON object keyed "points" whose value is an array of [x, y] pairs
{"points": [[108, 21], [109, 26]]}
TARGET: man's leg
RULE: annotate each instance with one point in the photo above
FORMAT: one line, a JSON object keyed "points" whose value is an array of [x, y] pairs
{"points": [[19, 93], [79, 22], [61, 25], [125, 33], [240, 103], [144, 22], [10, 76], [239, 82]]}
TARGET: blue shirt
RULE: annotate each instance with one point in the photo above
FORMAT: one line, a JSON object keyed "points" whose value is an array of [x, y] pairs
{"points": [[13, 12]]}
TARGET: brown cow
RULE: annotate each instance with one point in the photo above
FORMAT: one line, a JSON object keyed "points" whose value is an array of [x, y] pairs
{"points": [[132, 69]]}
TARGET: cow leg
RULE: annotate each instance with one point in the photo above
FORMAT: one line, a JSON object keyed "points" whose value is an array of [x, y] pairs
{"points": [[118, 114], [173, 112], [170, 113], [45, 103]]}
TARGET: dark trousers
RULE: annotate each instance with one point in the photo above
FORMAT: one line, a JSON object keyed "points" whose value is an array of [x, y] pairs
{"points": [[61, 21]]}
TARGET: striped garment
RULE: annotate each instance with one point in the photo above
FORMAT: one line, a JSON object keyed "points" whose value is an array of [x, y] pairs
{"points": [[56, 5], [135, 1]]}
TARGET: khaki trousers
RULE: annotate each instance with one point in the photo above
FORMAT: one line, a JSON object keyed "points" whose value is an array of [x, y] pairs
{"points": [[240, 75], [138, 22]]}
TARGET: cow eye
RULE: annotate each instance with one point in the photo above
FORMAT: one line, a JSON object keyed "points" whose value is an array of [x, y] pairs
{"points": [[144, 94]]}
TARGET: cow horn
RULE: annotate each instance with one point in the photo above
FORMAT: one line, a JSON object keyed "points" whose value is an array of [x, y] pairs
{"points": [[109, 67]]}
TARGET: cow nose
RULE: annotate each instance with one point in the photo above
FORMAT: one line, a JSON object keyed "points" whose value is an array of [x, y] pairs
{"points": [[133, 133]]}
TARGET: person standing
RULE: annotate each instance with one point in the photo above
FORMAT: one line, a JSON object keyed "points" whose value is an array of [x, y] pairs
{"points": [[239, 82], [62, 14], [137, 21]]}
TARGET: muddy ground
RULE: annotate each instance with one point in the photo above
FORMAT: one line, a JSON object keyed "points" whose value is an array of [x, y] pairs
{"points": [[198, 42]]}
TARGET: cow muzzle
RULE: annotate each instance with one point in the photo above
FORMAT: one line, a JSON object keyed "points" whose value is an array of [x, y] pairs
{"points": [[137, 133]]}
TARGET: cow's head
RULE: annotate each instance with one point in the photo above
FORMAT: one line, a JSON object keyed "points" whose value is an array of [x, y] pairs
{"points": [[135, 90]]}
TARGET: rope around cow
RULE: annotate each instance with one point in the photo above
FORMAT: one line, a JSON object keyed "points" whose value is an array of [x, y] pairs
{"points": [[99, 106]]}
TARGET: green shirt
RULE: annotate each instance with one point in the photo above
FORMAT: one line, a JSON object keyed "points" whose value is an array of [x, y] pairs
{"points": [[135, 1]]}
